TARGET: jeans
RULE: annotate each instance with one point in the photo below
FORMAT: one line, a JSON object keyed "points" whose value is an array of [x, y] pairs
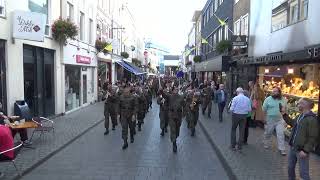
{"points": [[221, 108], [238, 120], [303, 165], [270, 126], [246, 130]]}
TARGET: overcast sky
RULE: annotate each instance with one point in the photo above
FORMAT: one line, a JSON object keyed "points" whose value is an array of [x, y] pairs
{"points": [[166, 22]]}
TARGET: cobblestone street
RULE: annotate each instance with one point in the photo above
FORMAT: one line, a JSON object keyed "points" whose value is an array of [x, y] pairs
{"points": [[95, 156]]}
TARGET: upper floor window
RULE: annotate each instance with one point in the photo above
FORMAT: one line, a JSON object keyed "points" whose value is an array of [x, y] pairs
{"points": [[245, 25], [235, 1], [81, 33], [211, 9], [70, 12], [216, 4], [220, 2], [90, 31], [40, 6], [2, 8], [285, 13], [237, 26]]}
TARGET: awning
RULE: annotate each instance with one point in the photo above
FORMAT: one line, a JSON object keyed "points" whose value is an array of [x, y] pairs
{"points": [[137, 69], [131, 68], [216, 64]]}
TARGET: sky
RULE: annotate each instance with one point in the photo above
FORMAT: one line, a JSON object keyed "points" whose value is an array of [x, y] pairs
{"points": [[166, 22]]}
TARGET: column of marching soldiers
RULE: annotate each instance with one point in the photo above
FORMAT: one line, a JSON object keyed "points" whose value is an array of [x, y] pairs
{"points": [[130, 102]]}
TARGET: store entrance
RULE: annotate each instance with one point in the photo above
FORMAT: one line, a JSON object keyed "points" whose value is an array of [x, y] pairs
{"points": [[38, 70], [3, 92]]}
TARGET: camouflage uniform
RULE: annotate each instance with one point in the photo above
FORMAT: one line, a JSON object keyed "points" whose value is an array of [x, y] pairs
{"points": [[163, 113], [111, 108], [207, 100], [141, 103], [192, 110], [127, 109]]}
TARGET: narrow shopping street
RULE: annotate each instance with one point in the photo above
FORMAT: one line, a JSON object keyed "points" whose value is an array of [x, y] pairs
{"points": [[95, 156]]}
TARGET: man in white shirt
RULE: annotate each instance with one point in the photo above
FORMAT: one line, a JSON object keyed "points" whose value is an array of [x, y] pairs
{"points": [[240, 107]]}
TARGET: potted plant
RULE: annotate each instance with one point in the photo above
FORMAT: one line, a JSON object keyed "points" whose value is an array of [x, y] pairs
{"points": [[124, 55], [64, 29], [100, 45], [224, 46], [197, 59]]}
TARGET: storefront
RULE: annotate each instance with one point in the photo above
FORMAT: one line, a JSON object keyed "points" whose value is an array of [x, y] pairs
{"points": [[128, 71], [104, 69], [80, 78], [296, 73], [3, 91]]}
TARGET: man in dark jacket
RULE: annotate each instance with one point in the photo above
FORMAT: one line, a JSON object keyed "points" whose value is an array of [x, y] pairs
{"points": [[111, 108], [303, 139], [163, 113]]}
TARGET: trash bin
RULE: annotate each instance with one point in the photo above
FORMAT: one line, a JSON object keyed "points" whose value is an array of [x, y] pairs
{"points": [[22, 109]]}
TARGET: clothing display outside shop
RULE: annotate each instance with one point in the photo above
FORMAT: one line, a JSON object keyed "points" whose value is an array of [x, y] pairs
{"points": [[72, 87]]}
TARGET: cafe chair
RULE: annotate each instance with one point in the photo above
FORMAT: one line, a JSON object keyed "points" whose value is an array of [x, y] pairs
{"points": [[44, 126], [16, 150]]}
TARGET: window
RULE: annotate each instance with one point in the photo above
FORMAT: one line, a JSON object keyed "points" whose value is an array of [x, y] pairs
{"points": [[214, 40], [237, 27], [204, 20], [235, 1], [90, 31], [40, 6], [245, 25], [70, 12], [81, 26], [212, 9], [294, 13], [220, 2], [226, 32], [304, 9], [208, 14], [2, 8], [216, 4], [220, 34]]}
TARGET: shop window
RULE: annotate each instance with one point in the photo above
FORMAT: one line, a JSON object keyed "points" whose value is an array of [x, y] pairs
{"points": [[72, 87], [70, 12], [81, 26], [2, 8]]}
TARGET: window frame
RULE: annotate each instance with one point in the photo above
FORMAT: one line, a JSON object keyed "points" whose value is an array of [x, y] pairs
{"points": [[81, 26], [70, 15], [243, 28], [237, 27], [3, 5], [90, 37]]}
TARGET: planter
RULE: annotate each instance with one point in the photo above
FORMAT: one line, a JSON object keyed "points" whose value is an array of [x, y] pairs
{"points": [[100, 45], [62, 30], [224, 46], [124, 55], [197, 59]]}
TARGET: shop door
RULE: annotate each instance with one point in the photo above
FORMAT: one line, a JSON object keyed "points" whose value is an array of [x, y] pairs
{"points": [[85, 89], [39, 80], [3, 92]]}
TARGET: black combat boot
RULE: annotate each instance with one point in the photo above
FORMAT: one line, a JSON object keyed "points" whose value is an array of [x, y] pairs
{"points": [[106, 132], [125, 145], [139, 126], [162, 132], [166, 130], [209, 116], [203, 111], [113, 127], [174, 146], [193, 132], [132, 139]]}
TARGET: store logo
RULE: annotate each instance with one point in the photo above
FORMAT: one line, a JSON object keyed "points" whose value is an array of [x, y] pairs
{"points": [[36, 28], [83, 59]]}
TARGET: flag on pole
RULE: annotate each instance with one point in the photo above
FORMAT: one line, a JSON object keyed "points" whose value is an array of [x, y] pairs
{"points": [[108, 47], [204, 41], [221, 22], [188, 51]]}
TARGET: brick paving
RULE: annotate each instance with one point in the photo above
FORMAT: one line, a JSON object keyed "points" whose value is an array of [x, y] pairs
{"points": [[67, 128], [95, 156], [254, 162]]}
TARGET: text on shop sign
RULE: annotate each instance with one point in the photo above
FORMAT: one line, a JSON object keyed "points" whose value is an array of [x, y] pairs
{"points": [[314, 52], [83, 59]]}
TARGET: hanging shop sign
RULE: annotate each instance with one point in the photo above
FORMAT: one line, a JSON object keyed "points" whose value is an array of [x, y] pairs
{"points": [[83, 59], [239, 40], [28, 25]]}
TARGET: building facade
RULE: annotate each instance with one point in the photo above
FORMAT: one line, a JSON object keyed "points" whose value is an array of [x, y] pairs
{"points": [[214, 63], [31, 70]]}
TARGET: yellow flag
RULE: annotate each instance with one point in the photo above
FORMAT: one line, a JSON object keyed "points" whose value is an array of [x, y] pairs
{"points": [[108, 47], [222, 23], [204, 41]]}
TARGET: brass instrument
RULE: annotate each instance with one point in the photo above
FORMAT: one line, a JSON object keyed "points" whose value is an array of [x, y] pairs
{"points": [[193, 103]]}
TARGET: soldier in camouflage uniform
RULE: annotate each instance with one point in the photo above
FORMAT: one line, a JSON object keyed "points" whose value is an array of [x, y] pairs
{"points": [[141, 103], [127, 109], [175, 113], [163, 113], [111, 108], [192, 109], [206, 99]]}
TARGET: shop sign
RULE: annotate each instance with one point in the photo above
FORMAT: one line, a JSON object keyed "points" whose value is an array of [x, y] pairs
{"points": [[83, 59], [238, 40], [28, 25], [314, 52]]}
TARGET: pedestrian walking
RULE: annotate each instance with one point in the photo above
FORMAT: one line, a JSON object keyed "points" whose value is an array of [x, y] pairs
{"points": [[303, 139], [221, 99], [240, 107], [111, 108], [257, 97], [274, 106], [127, 109]]}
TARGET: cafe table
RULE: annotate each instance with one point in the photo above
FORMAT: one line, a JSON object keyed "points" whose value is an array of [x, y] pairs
{"points": [[25, 125]]}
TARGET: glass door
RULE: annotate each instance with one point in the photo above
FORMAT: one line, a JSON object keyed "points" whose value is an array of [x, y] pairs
{"points": [[85, 89]]}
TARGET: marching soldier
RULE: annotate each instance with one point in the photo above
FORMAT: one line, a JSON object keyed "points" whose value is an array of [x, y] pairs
{"points": [[127, 109], [111, 108], [192, 108], [176, 104], [141, 103], [163, 113], [206, 99]]}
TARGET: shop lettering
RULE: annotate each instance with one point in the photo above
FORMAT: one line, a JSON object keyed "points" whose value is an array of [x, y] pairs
{"points": [[83, 59], [269, 58], [314, 52], [25, 25]]}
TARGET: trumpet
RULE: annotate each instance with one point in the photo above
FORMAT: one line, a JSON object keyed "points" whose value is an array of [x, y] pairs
{"points": [[193, 103]]}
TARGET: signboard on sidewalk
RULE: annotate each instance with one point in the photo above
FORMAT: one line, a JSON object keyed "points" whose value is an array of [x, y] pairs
{"points": [[28, 25], [238, 40]]}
